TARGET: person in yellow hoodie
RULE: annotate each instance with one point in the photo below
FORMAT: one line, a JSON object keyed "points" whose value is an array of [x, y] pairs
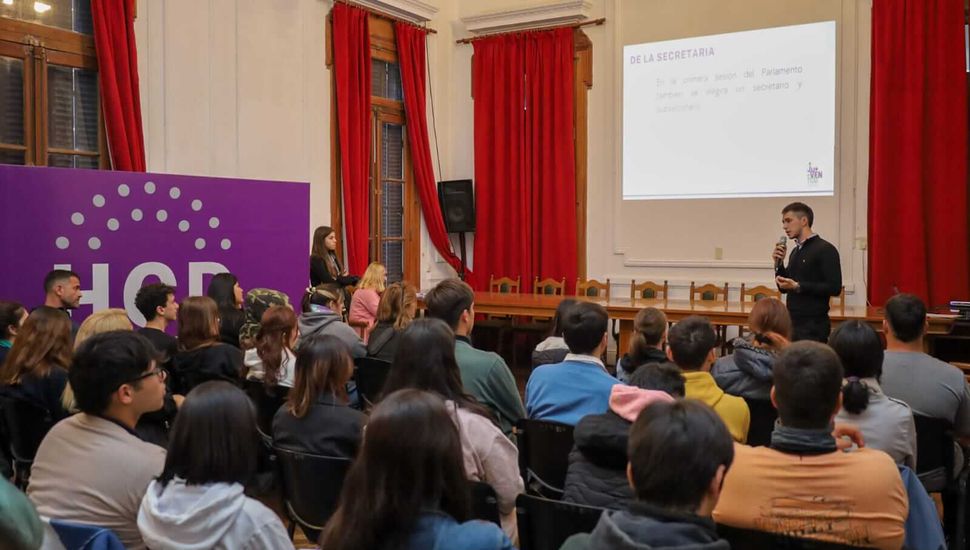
{"points": [[690, 345]]}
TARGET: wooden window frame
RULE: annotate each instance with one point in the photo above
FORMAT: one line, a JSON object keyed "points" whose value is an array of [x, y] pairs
{"points": [[40, 46]]}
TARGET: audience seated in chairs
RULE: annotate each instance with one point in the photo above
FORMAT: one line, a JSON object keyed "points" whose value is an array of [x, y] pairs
{"points": [[272, 361], [323, 314], [597, 463], [258, 300], [553, 349], [747, 371], [397, 308], [932, 388], [803, 484], [198, 500], [886, 423], [647, 343], [36, 367], [680, 453], [92, 468], [567, 391], [691, 345], [202, 357], [228, 295], [409, 491], [316, 418], [484, 374], [426, 361], [366, 299]]}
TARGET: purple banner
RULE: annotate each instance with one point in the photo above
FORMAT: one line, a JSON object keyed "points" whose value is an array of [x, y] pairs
{"points": [[120, 230]]}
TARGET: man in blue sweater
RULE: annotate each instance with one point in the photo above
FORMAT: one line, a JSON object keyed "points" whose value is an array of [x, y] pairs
{"points": [[565, 392]]}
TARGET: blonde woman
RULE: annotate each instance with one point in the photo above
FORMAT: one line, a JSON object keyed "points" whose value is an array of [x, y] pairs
{"points": [[363, 304]]}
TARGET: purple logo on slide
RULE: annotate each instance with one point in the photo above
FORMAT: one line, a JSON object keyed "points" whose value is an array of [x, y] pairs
{"points": [[814, 174], [121, 230]]}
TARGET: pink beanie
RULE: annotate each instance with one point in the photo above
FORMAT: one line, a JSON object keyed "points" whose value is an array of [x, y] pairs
{"points": [[628, 401]]}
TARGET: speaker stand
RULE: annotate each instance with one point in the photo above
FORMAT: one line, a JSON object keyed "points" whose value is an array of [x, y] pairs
{"points": [[461, 252]]}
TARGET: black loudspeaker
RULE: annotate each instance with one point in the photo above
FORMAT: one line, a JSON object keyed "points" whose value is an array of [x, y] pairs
{"points": [[457, 200]]}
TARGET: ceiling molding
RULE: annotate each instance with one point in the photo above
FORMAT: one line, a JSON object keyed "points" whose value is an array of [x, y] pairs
{"points": [[414, 11], [545, 15]]}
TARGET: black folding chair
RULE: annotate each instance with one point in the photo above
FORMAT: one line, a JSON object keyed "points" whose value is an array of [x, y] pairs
{"points": [[938, 472], [27, 423], [311, 488], [763, 416], [267, 401], [484, 502], [545, 524], [748, 538], [544, 455], [370, 375]]}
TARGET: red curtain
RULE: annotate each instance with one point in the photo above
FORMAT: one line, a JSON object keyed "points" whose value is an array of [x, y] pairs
{"points": [[411, 57], [114, 41], [525, 185], [918, 151], [352, 70]]}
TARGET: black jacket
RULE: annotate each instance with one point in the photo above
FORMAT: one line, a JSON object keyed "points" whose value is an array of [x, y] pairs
{"points": [[329, 428], [319, 274], [646, 527], [383, 342], [230, 323], [597, 463], [817, 269], [215, 362]]}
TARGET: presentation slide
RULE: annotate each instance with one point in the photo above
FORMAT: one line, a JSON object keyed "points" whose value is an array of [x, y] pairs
{"points": [[739, 115]]}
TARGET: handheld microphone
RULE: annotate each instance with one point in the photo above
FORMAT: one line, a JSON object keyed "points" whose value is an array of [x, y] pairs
{"points": [[782, 242]]}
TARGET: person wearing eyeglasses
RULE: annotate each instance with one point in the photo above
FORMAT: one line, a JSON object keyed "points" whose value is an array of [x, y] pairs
{"points": [[92, 468]]}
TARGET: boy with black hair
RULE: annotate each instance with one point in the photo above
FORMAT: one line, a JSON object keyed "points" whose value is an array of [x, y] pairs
{"points": [[580, 385], [679, 454], [157, 303], [92, 468], [691, 345]]}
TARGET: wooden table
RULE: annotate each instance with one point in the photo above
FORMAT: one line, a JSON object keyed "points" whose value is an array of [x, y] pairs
{"points": [[624, 310]]}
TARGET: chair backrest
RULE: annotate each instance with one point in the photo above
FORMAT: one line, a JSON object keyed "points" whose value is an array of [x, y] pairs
{"points": [[544, 454], [80, 536], [504, 285], [755, 293], [838, 301], [934, 447], [593, 288], [545, 524], [749, 538], [708, 293], [27, 424], [267, 401], [484, 502], [549, 286], [648, 290], [311, 485], [371, 373], [763, 416]]}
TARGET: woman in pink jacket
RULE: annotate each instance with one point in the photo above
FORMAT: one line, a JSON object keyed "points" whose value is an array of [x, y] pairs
{"points": [[363, 304]]}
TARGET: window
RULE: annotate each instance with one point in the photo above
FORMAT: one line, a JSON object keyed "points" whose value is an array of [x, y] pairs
{"points": [[50, 110], [395, 214]]}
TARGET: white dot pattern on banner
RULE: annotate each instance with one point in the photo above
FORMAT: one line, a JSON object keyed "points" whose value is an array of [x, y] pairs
{"points": [[225, 244], [200, 243], [98, 200], [213, 222], [77, 218], [94, 243], [150, 187], [184, 226], [136, 214], [62, 243], [123, 190], [196, 205], [175, 192], [113, 224], [161, 215]]}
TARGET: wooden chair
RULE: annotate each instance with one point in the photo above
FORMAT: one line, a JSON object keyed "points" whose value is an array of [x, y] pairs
{"points": [[838, 301], [500, 325], [549, 286], [648, 290], [505, 285], [708, 293], [756, 293], [593, 289]]}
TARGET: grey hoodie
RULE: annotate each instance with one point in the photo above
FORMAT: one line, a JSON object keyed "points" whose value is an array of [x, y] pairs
{"points": [[200, 517], [746, 372], [645, 527], [315, 323]]}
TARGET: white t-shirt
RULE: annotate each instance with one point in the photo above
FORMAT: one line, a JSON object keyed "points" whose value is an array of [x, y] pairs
{"points": [[256, 371]]}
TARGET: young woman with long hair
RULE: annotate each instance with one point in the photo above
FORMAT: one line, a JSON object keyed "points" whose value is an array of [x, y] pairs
{"points": [[324, 265], [36, 366], [367, 297], [396, 310], [12, 317], [225, 290], [553, 349], [409, 491], [198, 500], [425, 360], [747, 372], [201, 356], [272, 360]]}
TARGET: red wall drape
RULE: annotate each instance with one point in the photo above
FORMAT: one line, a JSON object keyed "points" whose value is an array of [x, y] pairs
{"points": [[525, 185], [352, 71], [918, 151], [114, 41], [411, 57]]}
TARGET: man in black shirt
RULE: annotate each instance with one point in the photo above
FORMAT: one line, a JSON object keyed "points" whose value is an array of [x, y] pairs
{"points": [[813, 274], [157, 303]]}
